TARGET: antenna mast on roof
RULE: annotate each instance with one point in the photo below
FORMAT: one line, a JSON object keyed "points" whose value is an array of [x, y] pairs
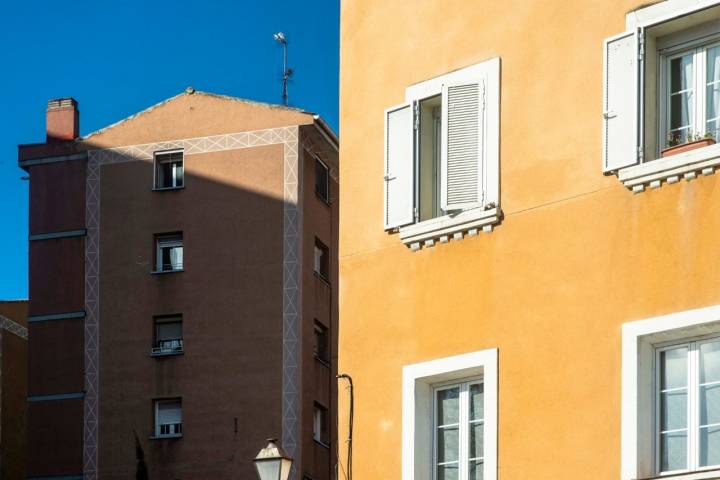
{"points": [[280, 37]]}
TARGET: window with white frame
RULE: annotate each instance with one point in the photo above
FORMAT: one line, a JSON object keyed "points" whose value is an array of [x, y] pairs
{"points": [[322, 260], [168, 418], [320, 425], [671, 396], [169, 252], [662, 94], [449, 411], [168, 335], [691, 93], [688, 406], [169, 170], [458, 431], [442, 153]]}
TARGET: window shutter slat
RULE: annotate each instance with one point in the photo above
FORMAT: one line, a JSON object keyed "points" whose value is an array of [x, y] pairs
{"points": [[169, 413], [621, 102], [462, 156], [399, 151]]}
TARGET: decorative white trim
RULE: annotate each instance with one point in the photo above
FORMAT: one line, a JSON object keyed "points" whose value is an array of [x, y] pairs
{"points": [[638, 340], [13, 327], [687, 165], [663, 11], [416, 410], [467, 222], [288, 137]]}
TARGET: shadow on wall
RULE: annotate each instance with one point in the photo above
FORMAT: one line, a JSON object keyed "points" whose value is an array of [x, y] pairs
{"points": [[227, 216]]}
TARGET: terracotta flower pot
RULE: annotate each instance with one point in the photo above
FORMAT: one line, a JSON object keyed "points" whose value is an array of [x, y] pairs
{"points": [[685, 147]]}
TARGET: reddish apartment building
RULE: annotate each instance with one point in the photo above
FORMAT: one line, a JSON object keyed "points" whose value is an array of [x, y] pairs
{"points": [[13, 388], [183, 291]]}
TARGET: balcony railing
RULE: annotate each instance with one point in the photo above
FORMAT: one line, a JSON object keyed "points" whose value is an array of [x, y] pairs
{"points": [[168, 346], [169, 429]]}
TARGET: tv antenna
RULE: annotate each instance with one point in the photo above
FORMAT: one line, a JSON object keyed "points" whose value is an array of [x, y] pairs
{"points": [[280, 37]]}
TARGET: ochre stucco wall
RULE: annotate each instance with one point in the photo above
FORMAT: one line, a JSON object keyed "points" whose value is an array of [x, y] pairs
{"points": [[575, 257]]}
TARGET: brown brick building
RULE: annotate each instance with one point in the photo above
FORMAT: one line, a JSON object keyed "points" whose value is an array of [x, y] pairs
{"points": [[183, 287], [13, 388]]}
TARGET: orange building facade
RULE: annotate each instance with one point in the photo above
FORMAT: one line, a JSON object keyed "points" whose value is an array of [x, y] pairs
{"points": [[534, 276]]}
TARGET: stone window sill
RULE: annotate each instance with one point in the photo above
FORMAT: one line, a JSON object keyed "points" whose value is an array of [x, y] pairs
{"points": [[455, 227], [700, 475], [166, 437], [672, 169]]}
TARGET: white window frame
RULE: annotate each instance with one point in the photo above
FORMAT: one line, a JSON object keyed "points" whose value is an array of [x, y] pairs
{"points": [[699, 52], [157, 161], [157, 417], [419, 382], [458, 224], [693, 422], [640, 340], [463, 433], [653, 171], [168, 241], [320, 415]]}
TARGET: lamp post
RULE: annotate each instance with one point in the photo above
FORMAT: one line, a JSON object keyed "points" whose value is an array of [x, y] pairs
{"points": [[272, 463]]}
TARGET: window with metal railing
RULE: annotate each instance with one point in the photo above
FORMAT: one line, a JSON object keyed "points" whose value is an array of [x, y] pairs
{"points": [[168, 335]]}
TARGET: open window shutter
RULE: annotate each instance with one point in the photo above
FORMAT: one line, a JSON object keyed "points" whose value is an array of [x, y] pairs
{"points": [[621, 115], [399, 149], [461, 185]]}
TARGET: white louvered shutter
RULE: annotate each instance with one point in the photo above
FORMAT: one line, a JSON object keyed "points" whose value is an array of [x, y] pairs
{"points": [[621, 107], [462, 146], [399, 163]]}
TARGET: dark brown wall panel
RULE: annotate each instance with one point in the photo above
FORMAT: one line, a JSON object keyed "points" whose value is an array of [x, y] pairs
{"points": [[230, 296], [57, 196], [55, 446], [57, 275], [320, 220], [13, 455], [56, 357]]}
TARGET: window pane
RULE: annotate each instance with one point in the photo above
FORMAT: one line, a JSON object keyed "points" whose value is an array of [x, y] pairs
{"points": [[673, 368], [447, 406], [681, 110], [709, 446], [673, 410], [710, 362], [476, 401], [713, 65], [476, 440], [165, 174], [709, 404], [447, 472], [178, 174], [673, 451], [176, 258], [448, 449], [681, 73], [476, 471]]}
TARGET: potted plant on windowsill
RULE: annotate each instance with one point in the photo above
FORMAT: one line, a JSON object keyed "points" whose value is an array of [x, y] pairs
{"points": [[693, 141]]}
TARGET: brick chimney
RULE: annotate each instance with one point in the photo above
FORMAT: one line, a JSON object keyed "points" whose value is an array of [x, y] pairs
{"points": [[63, 120]]}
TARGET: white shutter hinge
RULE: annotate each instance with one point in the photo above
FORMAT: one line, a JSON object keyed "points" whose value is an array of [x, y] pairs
{"points": [[415, 214], [416, 116], [641, 45], [484, 96], [641, 154]]}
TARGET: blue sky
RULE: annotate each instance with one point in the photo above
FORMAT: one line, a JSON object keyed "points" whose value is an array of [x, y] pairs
{"points": [[117, 58]]}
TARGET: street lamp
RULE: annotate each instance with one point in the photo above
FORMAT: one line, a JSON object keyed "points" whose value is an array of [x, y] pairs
{"points": [[272, 463]]}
